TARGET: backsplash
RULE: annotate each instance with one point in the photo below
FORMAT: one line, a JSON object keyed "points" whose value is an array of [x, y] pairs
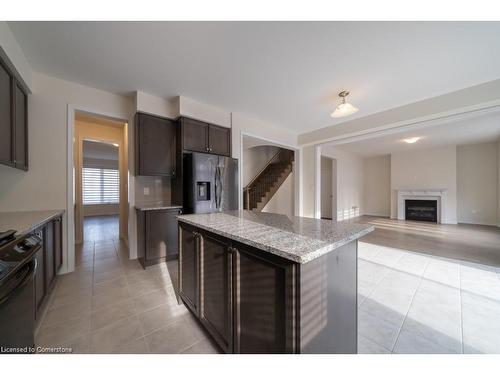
{"points": [[157, 187]]}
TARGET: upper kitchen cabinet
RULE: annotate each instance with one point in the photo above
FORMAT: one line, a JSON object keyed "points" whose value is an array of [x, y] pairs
{"points": [[155, 145], [203, 137], [13, 120]]}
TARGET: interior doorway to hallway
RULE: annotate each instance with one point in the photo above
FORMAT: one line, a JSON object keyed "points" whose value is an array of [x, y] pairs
{"points": [[100, 179]]}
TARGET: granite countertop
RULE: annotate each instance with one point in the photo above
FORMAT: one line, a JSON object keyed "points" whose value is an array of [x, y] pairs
{"points": [[25, 221], [299, 239], [155, 206]]}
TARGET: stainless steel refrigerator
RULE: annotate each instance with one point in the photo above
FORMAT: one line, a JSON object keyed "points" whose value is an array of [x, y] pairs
{"points": [[210, 183]]}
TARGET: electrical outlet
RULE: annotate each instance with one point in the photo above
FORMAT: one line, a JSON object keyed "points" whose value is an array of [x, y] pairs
{"points": [[146, 191]]}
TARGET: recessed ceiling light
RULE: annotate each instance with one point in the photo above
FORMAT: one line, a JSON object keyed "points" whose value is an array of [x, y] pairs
{"points": [[344, 108], [411, 140]]}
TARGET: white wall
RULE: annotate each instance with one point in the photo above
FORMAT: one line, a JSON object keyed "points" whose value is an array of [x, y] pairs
{"points": [[282, 201], [377, 186], [156, 106], [426, 169], [498, 190], [349, 182], [477, 180]]}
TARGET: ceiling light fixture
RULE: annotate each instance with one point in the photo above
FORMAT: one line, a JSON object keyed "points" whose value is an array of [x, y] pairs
{"points": [[344, 108], [116, 144], [411, 140]]}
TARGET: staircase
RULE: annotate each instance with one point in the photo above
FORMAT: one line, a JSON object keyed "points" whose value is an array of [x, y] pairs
{"points": [[267, 182]]}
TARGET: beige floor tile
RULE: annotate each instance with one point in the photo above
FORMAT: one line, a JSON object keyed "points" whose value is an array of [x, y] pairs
{"points": [[204, 346], [58, 334], [113, 336], [109, 286], [112, 314], [161, 316], [108, 276], [74, 310], [110, 297], [138, 346], [174, 338], [154, 299]]}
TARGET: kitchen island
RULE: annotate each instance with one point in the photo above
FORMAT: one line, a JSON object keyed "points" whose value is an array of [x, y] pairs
{"points": [[269, 283]]}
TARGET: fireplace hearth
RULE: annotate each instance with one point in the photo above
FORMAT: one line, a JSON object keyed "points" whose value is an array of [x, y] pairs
{"points": [[421, 210]]}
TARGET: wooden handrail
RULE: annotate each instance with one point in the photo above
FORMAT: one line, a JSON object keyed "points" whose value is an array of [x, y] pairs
{"points": [[263, 169]]}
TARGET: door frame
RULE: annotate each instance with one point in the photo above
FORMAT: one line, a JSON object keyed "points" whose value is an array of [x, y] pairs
{"points": [[68, 264]]}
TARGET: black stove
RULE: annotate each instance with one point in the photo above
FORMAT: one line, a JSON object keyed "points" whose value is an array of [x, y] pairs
{"points": [[18, 267]]}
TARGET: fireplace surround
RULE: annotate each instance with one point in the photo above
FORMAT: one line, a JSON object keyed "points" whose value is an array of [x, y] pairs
{"points": [[436, 195]]}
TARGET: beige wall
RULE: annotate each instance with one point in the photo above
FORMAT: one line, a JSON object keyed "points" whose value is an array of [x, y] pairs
{"points": [[477, 180], [498, 190], [307, 171], [349, 180], [377, 186], [327, 195], [282, 201], [426, 169], [92, 130], [254, 159]]}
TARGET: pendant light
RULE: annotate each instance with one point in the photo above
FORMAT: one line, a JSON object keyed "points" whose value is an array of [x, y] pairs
{"points": [[344, 108]]}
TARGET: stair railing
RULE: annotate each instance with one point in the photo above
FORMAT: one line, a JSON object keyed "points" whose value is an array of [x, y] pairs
{"points": [[249, 191]]}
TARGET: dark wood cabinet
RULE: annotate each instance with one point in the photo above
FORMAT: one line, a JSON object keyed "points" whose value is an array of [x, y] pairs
{"points": [[155, 146], [39, 278], [49, 260], [219, 140], [21, 128], [245, 300], [264, 303], [157, 235], [188, 266], [6, 131], [13, 119], [216, 289], [194, 135], [200, 136]]}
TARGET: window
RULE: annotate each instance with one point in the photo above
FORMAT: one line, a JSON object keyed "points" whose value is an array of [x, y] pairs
{"points": [[100, 186]]}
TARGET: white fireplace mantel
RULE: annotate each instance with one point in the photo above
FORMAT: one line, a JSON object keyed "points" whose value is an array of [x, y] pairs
{"points": [[433, 194]]}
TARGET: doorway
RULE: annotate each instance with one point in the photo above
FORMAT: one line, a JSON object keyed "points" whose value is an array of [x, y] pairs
{"points": [[328, 188], [100, 180]]}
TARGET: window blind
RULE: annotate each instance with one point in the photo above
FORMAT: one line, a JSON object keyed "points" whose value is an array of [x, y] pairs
{"points": [[100, 186]]}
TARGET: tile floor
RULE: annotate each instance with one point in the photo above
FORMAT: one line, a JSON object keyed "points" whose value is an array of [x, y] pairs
{"points": [[111, 305], [415, 303]]}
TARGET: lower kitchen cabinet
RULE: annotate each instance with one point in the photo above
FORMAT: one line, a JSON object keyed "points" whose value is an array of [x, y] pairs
{"points": [[188, 266], [244, 299], [157, 236], [49, 260], [216, 289]]}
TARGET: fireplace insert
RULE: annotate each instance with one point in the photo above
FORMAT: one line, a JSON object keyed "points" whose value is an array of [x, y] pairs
{"points": [[420, 209]]}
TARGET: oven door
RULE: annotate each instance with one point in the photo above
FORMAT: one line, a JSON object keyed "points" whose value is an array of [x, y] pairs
{"points": [[17, 309]]}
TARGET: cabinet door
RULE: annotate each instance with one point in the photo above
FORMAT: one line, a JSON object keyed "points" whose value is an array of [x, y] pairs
{"points": [[219, 140], [155, 146], [188, 266], [58, 243], [264, 303], [161, 234], [194, 135], [39, 278], [216, 289], [50, 261], [6, 136], [21, 128]]}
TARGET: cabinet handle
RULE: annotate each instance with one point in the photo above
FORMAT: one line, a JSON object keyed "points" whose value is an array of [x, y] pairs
{"points": [[173, 172], [208, 148], [230, 250]]}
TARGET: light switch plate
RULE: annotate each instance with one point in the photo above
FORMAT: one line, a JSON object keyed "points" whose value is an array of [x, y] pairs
{"points": [[146, 191]]}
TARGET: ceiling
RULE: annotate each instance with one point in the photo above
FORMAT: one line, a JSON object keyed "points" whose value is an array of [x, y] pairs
{"points": [[288, 73], [99, 150], [483, 128]]}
